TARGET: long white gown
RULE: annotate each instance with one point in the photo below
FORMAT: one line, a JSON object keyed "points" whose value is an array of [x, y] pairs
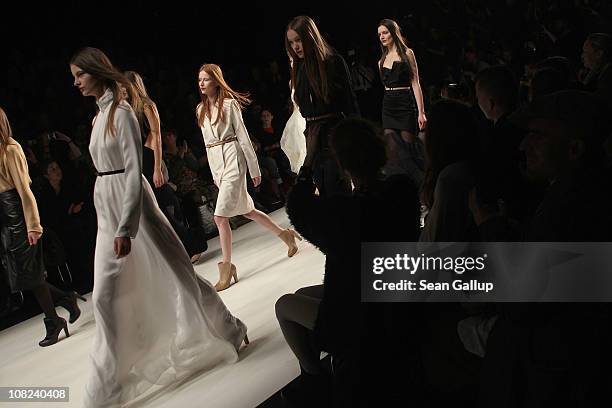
{"points": [[156, 321]]}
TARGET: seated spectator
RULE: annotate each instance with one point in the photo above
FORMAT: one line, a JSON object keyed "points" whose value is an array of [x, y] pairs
{"points": [[554, 352], [500, 181], [597, 59], [271, 156], [183, 178], [268, 191], [327, 317], [69, 226], [192, 237], [56, 146]]}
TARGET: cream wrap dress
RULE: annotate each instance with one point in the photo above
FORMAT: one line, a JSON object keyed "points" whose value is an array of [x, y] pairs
{"points": [[229, 161], [156, 321]]}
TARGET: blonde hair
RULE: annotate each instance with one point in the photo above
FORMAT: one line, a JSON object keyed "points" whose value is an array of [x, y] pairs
{"points": [[5, 131], [96, 63], [225, 92], [143, 100]]}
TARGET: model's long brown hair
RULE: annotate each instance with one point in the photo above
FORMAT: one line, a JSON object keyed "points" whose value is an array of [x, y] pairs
{"points": [[5, 131], [400, 44], [143, 100], [96, 63], [316, 53], [224, 92]]}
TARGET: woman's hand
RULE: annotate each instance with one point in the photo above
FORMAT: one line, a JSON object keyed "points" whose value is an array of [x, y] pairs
{"points": [[75, 208], [123, 246], [422, 121], [62, 137], [256, 181], [30, 155], [33, 237], [158, 178]]}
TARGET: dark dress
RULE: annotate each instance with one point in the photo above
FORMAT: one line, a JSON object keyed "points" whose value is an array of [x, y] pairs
{"points": [[341, 103], [399, 109], [399, 113]]}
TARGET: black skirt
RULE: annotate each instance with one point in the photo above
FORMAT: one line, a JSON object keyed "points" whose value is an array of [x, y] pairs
{"points": [[399, 111], [23, 264]]}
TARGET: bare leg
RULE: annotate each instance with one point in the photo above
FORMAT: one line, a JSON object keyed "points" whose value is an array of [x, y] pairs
{"points": [[225, 237], [263, 220]]}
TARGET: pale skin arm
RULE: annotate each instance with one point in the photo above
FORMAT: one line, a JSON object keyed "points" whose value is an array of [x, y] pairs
{"points": [[154, 142], [416, 87]]}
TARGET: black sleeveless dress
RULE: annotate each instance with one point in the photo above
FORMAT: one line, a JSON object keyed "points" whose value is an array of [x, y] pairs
{"points": [[399, 108]]}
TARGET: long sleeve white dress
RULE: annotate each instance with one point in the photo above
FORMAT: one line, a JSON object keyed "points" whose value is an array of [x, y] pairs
{"points": [[229, 161], [156, 320]]}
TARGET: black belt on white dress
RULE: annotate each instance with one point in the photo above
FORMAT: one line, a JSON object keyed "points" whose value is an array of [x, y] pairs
{"points": [[110, 173]]}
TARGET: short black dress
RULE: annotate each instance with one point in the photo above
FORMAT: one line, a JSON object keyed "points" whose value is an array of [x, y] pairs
{"points": [[399, 108]]}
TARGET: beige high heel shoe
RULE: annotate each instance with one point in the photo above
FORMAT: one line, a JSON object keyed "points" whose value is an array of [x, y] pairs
{"points": [[196, 258], [227, 270], [288, 236]]}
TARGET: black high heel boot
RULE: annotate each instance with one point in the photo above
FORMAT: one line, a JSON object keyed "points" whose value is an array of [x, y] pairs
{"points": [[54, 328], [70, 304]]}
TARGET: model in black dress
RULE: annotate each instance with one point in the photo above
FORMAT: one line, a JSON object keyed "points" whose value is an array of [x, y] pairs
{"points": [[324, 94], [403, 111]]}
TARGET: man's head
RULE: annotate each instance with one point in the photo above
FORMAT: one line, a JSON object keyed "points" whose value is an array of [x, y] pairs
{"points": [[564, 133], [496, 91], [597, 50]]}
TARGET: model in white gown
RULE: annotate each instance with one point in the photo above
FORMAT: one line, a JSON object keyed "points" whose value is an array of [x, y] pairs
{"points": [[156, 320]]}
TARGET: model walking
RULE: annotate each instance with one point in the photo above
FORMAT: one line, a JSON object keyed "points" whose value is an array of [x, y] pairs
{"points": [[156, 320], [324, 94], [230, 153], [403, 110], [20, 231]]}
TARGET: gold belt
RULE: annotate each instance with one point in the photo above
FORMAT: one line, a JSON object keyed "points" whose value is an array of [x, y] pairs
{"points": [[220, 142], [399, 88]]}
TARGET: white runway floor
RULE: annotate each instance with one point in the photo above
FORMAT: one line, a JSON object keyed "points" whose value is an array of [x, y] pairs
{"points": [[266, 365]]}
